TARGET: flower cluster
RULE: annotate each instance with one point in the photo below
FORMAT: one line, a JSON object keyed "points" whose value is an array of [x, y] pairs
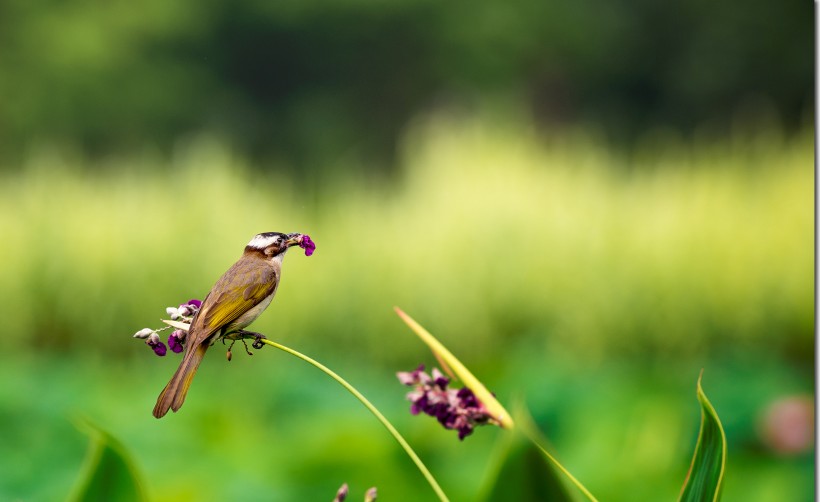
{"points": [[308, 245], [454, 408], [184, 313]]}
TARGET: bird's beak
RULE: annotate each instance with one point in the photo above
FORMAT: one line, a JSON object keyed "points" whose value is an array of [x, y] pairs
{"points": [[293, 239]]}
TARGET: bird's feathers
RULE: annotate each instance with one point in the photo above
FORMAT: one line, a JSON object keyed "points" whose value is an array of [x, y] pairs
{"points": [[240, 295], [242, 287], [173, 395]]}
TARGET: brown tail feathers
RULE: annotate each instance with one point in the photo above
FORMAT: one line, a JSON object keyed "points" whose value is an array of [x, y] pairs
{"points": [[173, 395]]}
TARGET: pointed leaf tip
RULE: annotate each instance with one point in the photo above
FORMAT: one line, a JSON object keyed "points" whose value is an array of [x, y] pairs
{"points": [[704, 481]]}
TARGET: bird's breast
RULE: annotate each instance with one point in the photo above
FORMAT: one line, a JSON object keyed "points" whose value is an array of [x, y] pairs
{"points": [[251, 315]]}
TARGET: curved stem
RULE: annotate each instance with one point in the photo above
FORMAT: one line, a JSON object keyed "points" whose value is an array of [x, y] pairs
{"points": [[387, 425]]}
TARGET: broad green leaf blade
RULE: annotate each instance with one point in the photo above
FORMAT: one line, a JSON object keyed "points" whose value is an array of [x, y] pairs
{"points": [[704, 481], [521, 472], [524, 470], [108, 473]]}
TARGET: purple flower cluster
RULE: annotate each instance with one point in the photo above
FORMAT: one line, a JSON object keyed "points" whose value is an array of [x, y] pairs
{"points": [[454, 408], [308, 245], [184, 313]]}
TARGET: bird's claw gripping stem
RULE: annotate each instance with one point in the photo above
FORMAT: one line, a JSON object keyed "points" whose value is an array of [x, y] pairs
{"points": [[257, 338]]}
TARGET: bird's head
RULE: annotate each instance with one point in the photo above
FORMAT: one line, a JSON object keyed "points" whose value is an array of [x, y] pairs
{"points": [[272, 244]]}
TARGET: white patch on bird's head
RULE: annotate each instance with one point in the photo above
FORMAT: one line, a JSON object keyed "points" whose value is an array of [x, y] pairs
{"points": [[262, 241]]}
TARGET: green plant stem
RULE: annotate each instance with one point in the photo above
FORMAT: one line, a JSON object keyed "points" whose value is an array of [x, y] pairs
{"points": [[387, 425]]}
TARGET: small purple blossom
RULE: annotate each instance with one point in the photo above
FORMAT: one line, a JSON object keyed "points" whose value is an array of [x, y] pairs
{"points": [[308, 245], [341, 495], [184, 310], [175, 340], [156, 344], [190, 308], [457, 409]]}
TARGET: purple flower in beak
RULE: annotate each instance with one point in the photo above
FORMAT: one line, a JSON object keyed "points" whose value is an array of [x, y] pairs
{"points": [[308, 245], [196, 303]]}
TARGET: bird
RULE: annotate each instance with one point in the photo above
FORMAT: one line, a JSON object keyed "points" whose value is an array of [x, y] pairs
{"points": [[234, 302]]}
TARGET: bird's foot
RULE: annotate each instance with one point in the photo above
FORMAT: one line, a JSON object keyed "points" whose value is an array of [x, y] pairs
{"points": [[257, 338]]}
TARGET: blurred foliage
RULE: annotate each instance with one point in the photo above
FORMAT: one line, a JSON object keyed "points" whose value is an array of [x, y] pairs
{"points": [[310, 83], [563, 242], [524, 474], [595, 283], [109, 473]]}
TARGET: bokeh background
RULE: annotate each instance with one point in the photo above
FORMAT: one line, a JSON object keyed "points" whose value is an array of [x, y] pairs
{"points": [[588, 203]]}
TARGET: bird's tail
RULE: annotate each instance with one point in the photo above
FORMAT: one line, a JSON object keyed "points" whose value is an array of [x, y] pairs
{"points": [[173, 395]]}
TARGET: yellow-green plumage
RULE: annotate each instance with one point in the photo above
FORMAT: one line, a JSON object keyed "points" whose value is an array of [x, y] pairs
{"points": [[237, 298]]}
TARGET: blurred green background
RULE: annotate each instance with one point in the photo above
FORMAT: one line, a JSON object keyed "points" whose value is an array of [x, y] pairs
{"points": [[588, 204]]}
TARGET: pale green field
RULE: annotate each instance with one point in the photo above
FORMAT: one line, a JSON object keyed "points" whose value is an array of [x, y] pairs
{"points": [[596, 282]]}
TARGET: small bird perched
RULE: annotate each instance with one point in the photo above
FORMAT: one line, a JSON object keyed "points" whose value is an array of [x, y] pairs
{"points": [[235, 301]]}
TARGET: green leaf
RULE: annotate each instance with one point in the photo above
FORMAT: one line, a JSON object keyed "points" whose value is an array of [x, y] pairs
{"points": [[704, 481], [108, 473], [524, 470], [523, 473]]}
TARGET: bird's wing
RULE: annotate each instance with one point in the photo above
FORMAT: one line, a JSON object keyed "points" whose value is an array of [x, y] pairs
{"points": [[241, 288]]}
